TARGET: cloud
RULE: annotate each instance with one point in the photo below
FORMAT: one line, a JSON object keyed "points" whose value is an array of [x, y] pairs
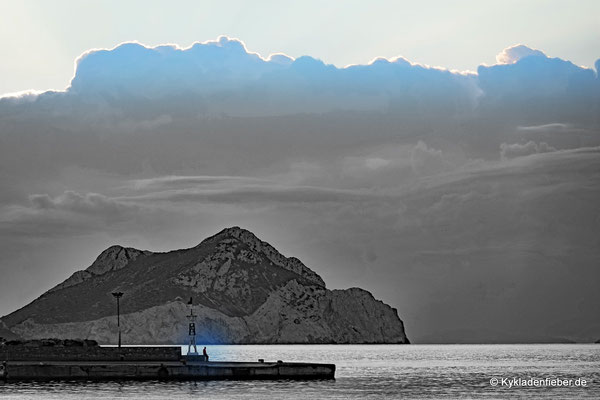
{"points": [[508, 151], [222, 76], [425, 160], [532, 89], [384, 176], [280, 58], [76, 202], [23, 96], [544, 127], [69, 213], [178, 181], [261, 194], [512, 54], [151, 200], [73, 214], [132, 66]]}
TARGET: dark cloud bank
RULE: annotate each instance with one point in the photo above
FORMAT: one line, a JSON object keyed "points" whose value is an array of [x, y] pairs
{"points": [[469, 201]]}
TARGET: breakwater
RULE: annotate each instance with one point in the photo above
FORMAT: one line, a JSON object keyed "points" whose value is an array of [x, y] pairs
{"points": [[92, 362]]}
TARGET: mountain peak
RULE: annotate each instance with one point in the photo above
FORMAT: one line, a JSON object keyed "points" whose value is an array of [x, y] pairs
{"points": [[233, 231], [256, 245], [114, 258]]}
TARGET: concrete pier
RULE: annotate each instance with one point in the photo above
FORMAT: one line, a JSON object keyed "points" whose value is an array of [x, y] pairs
{"points": [[148, 370], [141, 363]]}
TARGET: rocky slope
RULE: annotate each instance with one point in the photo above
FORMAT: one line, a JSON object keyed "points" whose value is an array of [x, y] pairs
{"points": [[244, 291]]}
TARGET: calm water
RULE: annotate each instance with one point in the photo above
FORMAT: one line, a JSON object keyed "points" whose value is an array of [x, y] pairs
{"points": [[367, 372]]}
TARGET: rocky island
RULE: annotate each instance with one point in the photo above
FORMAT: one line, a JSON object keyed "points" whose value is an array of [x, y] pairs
{"points": [[244, 291]]}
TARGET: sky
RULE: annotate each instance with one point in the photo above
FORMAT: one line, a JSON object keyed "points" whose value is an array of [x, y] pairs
{"points": [[466, 195], [40, 39]]}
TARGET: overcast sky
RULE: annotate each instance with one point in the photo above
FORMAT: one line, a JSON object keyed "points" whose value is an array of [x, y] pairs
{"points": [[469, 201]]}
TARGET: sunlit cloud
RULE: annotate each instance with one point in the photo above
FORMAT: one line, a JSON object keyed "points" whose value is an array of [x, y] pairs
{"points": [[512, 54]]}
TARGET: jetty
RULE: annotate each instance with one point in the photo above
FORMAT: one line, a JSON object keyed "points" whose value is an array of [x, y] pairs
{"points": [[68, 359], [81, 361]]}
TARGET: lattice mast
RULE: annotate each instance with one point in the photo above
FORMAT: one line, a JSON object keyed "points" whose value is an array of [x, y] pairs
{"points": [[192, 330]]}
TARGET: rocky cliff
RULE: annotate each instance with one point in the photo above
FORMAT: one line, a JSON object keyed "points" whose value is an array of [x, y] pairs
{"points": [[244, 291]]}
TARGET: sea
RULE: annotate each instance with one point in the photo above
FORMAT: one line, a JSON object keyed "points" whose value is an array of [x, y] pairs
{"points": [[532, 371]]}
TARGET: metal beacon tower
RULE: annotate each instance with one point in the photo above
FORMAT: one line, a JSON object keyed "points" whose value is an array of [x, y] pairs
{"points": [[192, 330]]}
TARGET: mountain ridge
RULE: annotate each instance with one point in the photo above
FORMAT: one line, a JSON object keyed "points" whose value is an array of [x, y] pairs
{"points": [[244, 290]]}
